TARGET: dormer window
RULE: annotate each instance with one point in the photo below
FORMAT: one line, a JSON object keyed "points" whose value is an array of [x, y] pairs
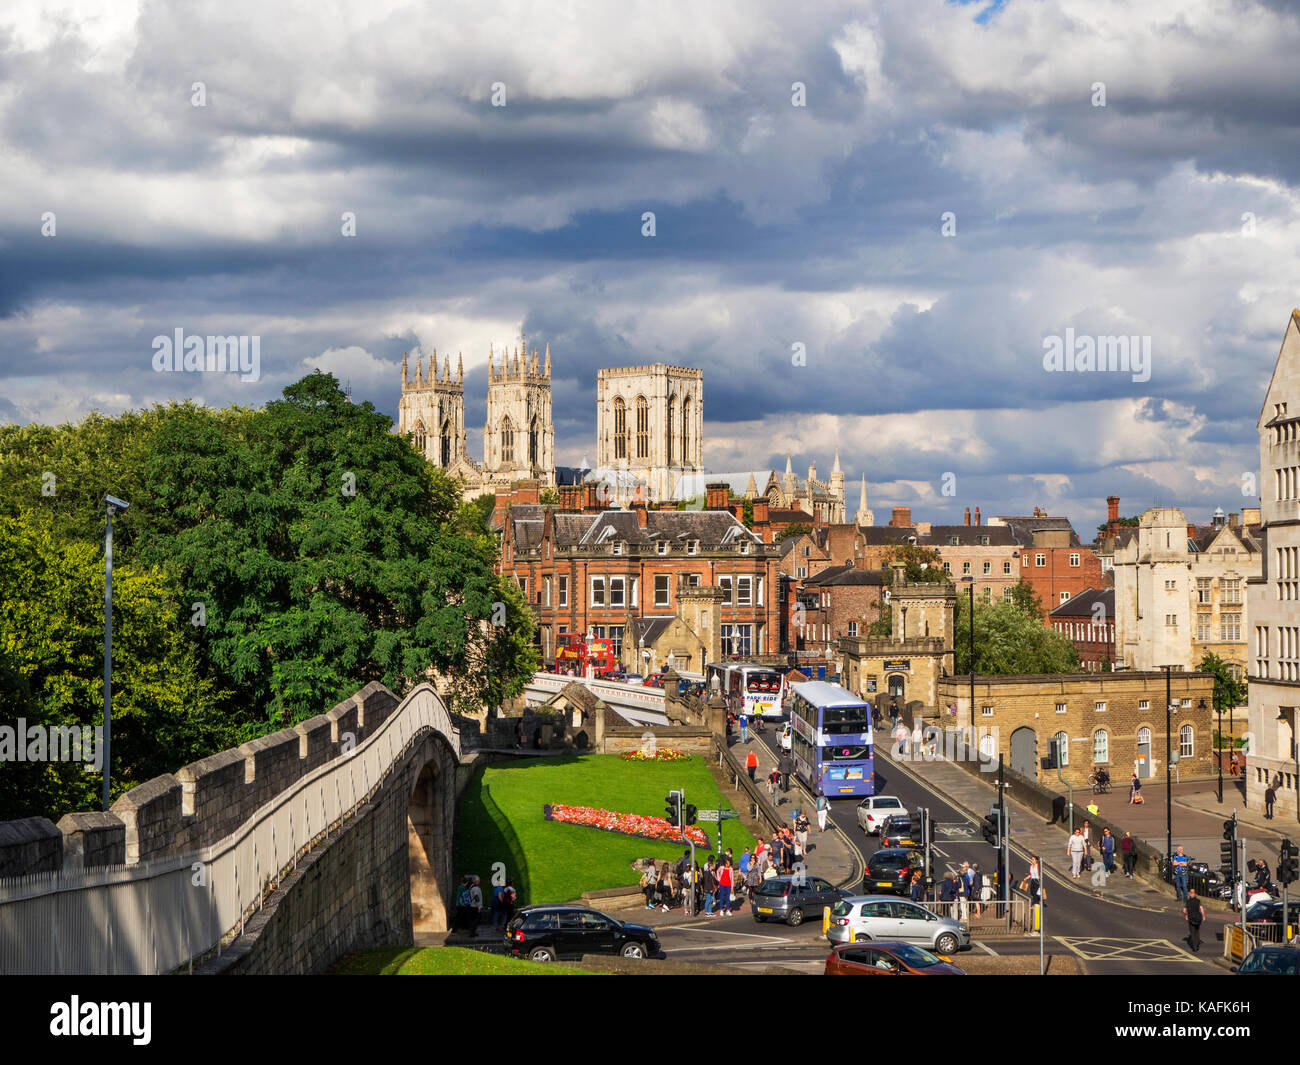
{"points": [[744, 547], [617, 547], [952, 541], [662, 547], [692, 547]]}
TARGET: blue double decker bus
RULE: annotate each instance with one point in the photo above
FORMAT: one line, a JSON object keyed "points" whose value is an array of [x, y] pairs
{"points": [[831, 741]]}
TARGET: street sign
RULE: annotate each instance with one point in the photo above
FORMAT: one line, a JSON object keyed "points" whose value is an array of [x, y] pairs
{"points": [[955, 832], [712, 815]]}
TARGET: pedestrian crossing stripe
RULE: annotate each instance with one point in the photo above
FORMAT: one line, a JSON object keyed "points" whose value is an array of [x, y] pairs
{"points": [[1109, 948]]}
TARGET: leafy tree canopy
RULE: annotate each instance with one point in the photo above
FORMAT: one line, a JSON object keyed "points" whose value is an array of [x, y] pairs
{"points": [[1009, 640], [920, 563]]}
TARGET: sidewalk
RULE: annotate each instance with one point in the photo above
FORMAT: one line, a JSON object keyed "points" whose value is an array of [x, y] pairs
{"points": [[1202, 797], [831, 854], [1031, 835]]}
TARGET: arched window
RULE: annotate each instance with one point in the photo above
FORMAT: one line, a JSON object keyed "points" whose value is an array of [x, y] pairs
{"points": [[988, 746], [668, 435], [507, 441], [446, 444], [419, 437], [1186, 746], [1144, 736], [686, 431], [620, 428], [1063, 745], [533, 434], [642, 428], [1100, 746]]}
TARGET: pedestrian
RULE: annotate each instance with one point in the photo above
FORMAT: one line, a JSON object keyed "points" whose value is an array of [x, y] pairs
{"points": [[1108, 850], [1076, 849], [509, 896], [744, 727], [1235, 764], [519, 732], [708, 885], [1033, 881], [475, 905], [650, 885], [773, 779], [976, 889], [1135, 791], [1270, 797], [769, 869], [724, 887], [1179, 865], [918, 888], [784, 766], [753, 877], [1129, 848], [1195, 914], [823, 808], [664, 898], [963, 892], [801, 827], [1087, 843], [751, 763], [948, 893], [462, 905]]}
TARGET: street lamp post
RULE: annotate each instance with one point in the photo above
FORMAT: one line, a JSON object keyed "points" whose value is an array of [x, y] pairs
{"points": [[114, 505], [972, 655], [1219, 709], [1169, 788]]}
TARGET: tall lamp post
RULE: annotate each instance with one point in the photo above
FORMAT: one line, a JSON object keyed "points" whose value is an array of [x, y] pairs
{"points": [[1219, 709], [114, 505], [972, 654], [1169, 788]]}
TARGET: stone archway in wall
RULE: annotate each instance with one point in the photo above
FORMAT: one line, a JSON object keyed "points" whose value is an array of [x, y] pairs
{"points": [[428, 852], [1024, 752]]}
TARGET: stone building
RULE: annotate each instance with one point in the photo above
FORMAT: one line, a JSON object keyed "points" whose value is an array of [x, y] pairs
{"points": [[1114, 721], [908, 665], [518, 437], [1180, 589], [987, 554], [609, 573], [649, 430], [1274, 592], [835, 602], [789, 497]]}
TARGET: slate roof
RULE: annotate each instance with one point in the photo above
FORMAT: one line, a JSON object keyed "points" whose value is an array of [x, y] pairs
{"points": [[709, 527], [999, 535], [843, 576], [649, 629], [1024, 528], [1080, 606]]}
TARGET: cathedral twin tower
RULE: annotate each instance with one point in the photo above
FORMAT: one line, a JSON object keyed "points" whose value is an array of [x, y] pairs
{"points": [[649, 424]]}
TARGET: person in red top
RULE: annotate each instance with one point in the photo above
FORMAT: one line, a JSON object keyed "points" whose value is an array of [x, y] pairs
{"points": [[751, 763], [724, 887]]}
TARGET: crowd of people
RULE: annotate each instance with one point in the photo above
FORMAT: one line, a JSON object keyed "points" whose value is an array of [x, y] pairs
{"points": [[724, 883], [469, 904]]}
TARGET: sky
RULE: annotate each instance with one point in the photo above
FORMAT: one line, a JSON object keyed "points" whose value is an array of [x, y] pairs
{"points": [[870, 220]]}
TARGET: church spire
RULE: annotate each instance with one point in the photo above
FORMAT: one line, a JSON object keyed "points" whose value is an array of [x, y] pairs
{"points": [[460, 368], [548, 358], [446, 367], [419, 371], [862, 499], [405, 380], [788, 467], [837, 459]]}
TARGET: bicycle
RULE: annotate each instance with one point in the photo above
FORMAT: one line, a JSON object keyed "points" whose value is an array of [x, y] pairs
{"points": [[1099, 782]]}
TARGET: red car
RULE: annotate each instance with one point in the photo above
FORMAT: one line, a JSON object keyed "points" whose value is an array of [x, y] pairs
{"points": [[887, 959]]}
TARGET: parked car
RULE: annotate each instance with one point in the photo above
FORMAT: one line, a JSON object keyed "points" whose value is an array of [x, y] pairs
{"points": [[632, 678], [782, 899], [873, 810], [1270, 961], [1270, 912], [787, 736], [655, 680], [891, 869], [895, 921], [887, 959], [545, 933], [898, 830]]}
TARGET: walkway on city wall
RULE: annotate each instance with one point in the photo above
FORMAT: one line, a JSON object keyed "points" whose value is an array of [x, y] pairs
{"points": [[278, 856]]}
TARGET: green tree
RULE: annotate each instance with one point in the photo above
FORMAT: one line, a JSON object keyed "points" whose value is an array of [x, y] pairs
{"points": [[1228, 691], [549, 497], [919, 563], [1008, 640], [747, 513], [51, 668], [798, 528], [1025, 599]]}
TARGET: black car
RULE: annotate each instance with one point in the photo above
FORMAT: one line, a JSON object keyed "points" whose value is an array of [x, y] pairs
{"points": [[891, 869], [1271, 913], [899, 831], [544, 933], [1271, 961]]}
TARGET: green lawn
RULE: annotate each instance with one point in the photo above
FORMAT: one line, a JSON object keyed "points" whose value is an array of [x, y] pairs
{"points": [[500, 820], [440, 961]]}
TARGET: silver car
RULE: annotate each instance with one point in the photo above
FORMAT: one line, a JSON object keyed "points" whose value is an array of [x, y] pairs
{"points": [[897, 920]]}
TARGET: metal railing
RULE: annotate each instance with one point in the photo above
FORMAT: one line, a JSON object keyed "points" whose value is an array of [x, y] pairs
{"points": [[994, 917], [155, 916]]}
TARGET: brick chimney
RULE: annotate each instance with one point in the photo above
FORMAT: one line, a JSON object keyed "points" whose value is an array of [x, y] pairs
{"points": [[527, 493], [591, 498], [966, 521], [1234, 520], [1112, 515], [902, 517], [639, 509], [1191, 531], [717, 496], [502, 506], [977, 515], [762, 519]]}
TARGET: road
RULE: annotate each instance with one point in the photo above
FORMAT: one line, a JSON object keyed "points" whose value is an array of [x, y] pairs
{"points": [[1108, 937]]}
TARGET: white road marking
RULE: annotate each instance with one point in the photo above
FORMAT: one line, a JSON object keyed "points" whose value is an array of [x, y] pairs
{"points": [[742, 935], [939, 851], [985, 949]]}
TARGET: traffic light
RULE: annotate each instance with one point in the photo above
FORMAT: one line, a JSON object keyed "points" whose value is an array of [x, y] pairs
{"points": [[1228, 848], [674, 802], [1288, 872], [992, 828], [691, 813]]}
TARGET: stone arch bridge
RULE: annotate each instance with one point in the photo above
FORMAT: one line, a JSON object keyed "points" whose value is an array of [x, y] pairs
{"points": [[277, 856]]}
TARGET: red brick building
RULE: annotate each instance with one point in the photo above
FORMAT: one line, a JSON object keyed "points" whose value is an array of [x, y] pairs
{"points": [[1087, 620], [839, 601], [614, 573], [1053, 560]]}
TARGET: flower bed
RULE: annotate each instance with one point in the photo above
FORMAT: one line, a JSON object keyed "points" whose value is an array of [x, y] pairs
{"points": [[645, 827], [661, 754]]}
